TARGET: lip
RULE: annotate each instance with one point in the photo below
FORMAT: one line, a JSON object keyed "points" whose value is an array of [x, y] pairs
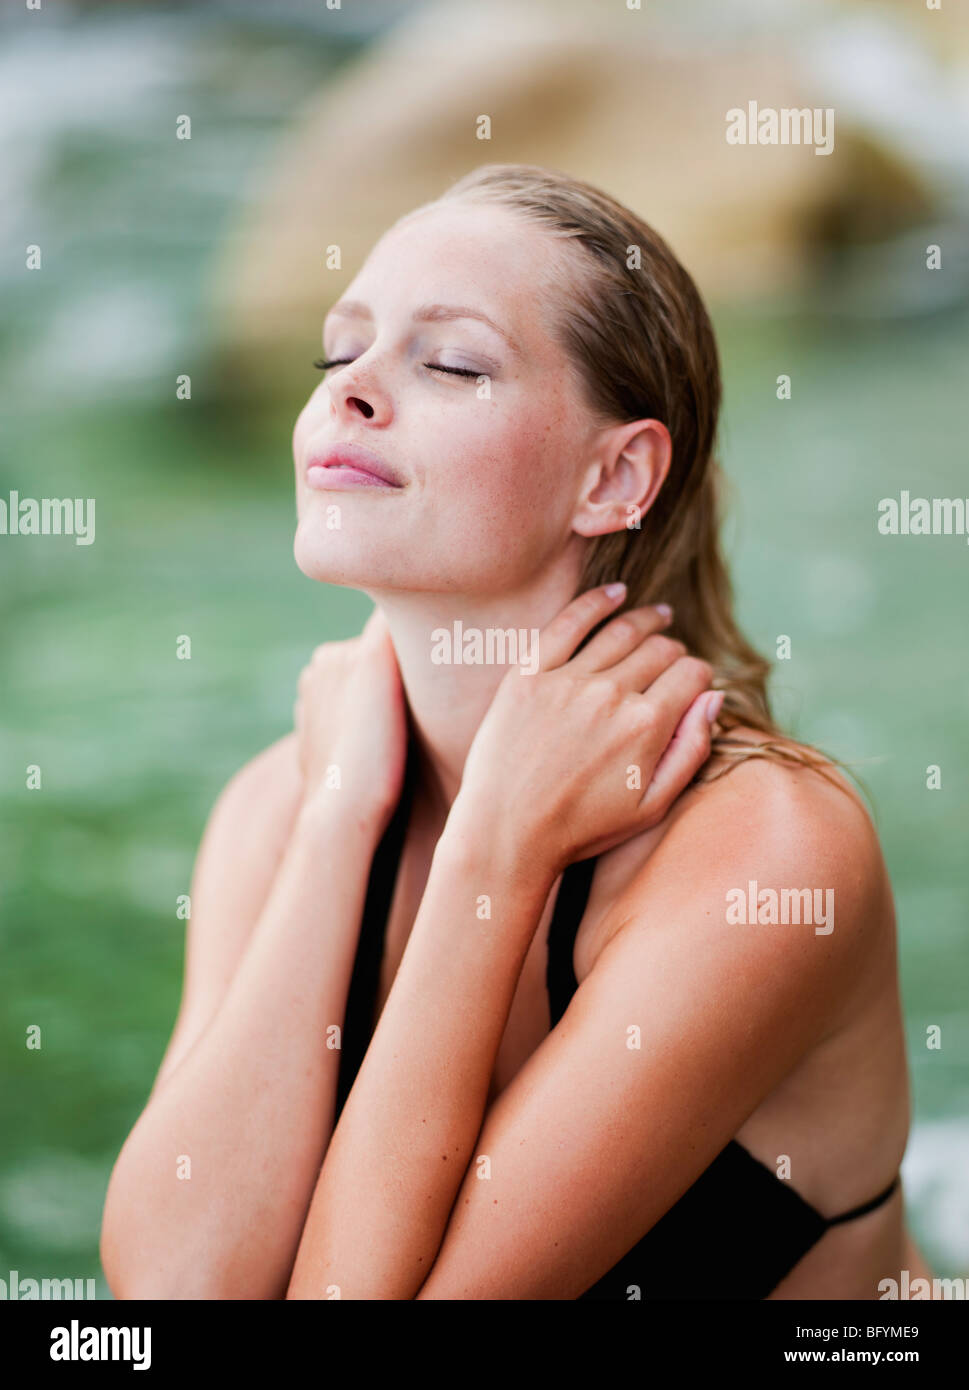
{"points": [[343, 466]]}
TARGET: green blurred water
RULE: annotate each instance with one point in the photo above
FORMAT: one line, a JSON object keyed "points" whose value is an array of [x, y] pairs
{"points": [[195, 519]]}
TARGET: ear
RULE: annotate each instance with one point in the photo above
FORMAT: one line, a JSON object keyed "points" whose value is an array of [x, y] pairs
{"points": [[629, 467]]}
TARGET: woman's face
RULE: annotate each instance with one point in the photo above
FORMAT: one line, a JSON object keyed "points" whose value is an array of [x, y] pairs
{"points": [[488, 464]]}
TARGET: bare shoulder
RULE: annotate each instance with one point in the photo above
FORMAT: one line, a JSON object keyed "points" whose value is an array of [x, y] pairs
{"points": [[784, 837], [758, 909], [256, 806], [814, 813], [770, 844], [246, 834], [244, 840]]}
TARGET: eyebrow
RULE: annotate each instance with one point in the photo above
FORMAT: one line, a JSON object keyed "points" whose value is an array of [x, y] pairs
{"points": [[427, 313]]}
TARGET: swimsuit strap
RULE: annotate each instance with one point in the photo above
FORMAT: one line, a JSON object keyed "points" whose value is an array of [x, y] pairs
{"points": [[358, 1023], [866, 1207], [570, 904]]}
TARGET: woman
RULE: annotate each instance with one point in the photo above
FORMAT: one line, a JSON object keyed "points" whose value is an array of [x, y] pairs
{"points": [[639, 1028]]}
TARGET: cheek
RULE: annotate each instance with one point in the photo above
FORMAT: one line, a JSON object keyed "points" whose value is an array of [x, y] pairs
{"points": [[521, 474]]}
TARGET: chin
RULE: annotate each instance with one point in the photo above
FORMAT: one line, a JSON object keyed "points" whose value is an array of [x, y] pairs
{"points": [[337, 557], [330, 563]]}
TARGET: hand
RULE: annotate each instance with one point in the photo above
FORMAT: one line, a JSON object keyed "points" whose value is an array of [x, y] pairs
{"points": [[593, 747], [351, 724]]}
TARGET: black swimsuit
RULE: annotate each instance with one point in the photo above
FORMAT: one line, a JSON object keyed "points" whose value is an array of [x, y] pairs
{"points": [[734, 1234]]}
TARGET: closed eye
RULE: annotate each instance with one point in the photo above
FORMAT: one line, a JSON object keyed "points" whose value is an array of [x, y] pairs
{"points": [[324, 365], [452, 371]]}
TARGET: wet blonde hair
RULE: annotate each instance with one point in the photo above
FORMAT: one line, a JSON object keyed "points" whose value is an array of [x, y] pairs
{"points": [[634, 325]]}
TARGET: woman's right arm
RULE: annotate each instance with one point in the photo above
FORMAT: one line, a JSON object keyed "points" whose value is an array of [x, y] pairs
{"points": [[209, 1194]]}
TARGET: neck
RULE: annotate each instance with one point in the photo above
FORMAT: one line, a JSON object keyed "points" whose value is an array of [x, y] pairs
{"points": [[453, 652]]}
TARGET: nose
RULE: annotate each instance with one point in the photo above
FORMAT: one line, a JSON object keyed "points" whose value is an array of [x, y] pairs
{"points": [[355, 394]]}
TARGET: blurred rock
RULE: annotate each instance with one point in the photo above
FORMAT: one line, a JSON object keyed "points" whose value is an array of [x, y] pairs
{"points": [[613, 97]]}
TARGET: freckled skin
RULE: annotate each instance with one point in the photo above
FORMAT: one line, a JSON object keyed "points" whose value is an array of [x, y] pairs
{"points": [[491, 484]]}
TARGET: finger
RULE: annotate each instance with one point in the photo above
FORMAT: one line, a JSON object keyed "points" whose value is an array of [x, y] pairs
{"points": [[558, 640], [642, 667], [375, 624], [686, 751], [669, 697], [621, 635]]}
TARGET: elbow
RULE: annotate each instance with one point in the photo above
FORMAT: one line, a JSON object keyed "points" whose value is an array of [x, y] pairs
{"points": [[135, 1275], [138, 1267], [112, 1247], [122, 1272], [159, 1251], [123, 1239], [110, 1268], [123, 1261], [141, 1262]]}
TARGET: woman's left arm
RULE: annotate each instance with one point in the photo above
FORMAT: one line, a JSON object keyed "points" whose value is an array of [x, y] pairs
{"points": [[686, 1022]]}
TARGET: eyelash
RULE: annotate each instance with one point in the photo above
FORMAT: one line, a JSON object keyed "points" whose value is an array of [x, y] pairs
{"points": [[323, 365]]}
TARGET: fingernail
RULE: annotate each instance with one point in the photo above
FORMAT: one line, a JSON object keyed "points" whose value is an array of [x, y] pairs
{"points": [[713, 705], [664, 610], [615, 590]]}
